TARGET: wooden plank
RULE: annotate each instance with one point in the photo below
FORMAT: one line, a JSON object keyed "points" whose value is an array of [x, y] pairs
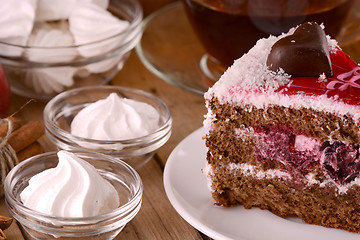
{"points": [[156, 219], [13, 232]]}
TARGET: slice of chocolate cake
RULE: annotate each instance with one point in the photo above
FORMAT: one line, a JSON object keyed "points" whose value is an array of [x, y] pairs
{"points": [[283, 130]]}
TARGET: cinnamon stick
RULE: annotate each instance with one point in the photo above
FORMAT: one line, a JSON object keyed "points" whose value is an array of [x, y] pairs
{"points": [[5, 222], [16, 123], [2, 235], [31, 150], [26, 135]]}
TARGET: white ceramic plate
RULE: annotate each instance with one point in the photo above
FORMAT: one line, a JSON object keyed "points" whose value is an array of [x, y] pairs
{"points": [[187, 191]]}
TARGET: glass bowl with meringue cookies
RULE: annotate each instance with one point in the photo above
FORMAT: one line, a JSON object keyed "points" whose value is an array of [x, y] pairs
{"points": [[73, 195], [51, 46], [125, 123]]}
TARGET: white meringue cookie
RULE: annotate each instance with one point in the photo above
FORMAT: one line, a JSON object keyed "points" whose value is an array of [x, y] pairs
{"points": [[115, 118], [50, 80], [51, 10], [90, 23], [48, 36], [74, 188], [16, 23]]}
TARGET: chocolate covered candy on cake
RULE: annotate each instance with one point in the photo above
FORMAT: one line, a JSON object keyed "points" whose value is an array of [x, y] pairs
{"points": [[282, 130]]}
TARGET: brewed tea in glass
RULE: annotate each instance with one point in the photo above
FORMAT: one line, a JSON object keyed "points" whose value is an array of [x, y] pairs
{"points": [[229, 28]]}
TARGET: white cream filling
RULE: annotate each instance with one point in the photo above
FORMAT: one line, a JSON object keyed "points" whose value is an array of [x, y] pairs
{"points": [[251, 170], [303, 143], [245, 169], [342, 189]]}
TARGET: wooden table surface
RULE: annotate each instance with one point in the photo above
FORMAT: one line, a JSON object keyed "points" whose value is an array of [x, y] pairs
{"points": [[157, 219]]}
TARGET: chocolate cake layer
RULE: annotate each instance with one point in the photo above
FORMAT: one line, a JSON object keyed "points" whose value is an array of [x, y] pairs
{"points": [[323, 125], [313, 204]]}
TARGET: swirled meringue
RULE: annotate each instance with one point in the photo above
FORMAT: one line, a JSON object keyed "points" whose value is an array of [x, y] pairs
{"points": [[50, 80], [57, 38], [90, 23], [16, 23], [115, 118], [73, 188], [55, 79]]}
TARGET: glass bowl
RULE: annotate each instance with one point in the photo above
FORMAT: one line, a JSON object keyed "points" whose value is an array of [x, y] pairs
{"points": [[105, 226], [43, 72], [61, 110]]}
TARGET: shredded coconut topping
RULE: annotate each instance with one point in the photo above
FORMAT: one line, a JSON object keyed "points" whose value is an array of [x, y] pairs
{"points": [[244, 82], [250, 71]]}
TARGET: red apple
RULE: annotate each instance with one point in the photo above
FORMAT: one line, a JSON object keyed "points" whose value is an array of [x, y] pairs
{"points": [[4, 93]]}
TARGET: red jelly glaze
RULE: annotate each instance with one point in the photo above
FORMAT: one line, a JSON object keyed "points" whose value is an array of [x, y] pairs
{"points": [[344, 85]]}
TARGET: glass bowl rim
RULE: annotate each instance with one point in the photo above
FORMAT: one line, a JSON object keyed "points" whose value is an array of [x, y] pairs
{"points": [[125, 208], [67, 135]]}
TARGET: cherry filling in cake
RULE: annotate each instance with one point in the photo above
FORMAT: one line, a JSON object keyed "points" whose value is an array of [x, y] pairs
{"points": [[341, 161], [298, 154], [295, 153]]}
